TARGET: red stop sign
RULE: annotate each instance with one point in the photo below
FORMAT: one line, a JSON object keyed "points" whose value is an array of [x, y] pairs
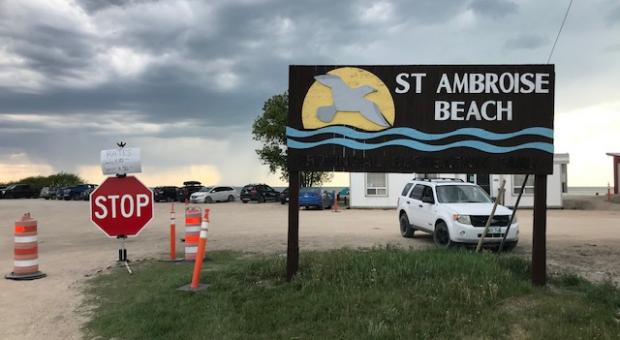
{"points": [[121, 206]]}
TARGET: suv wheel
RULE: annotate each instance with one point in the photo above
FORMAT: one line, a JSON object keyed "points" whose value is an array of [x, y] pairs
{"points": [[208, 200], [441, 236], [244, 201], [231, 198], [260, 199], [405, 228]]}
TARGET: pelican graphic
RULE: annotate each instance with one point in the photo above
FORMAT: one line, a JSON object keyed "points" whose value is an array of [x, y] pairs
{"points": [[349, 100]]}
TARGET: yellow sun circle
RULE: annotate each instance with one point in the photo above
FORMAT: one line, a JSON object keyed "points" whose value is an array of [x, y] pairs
{"points": [[320, 95]]}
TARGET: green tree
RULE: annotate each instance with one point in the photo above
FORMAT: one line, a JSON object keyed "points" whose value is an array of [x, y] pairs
{"points": [[61, 179], [64, 179], [270, 129]]}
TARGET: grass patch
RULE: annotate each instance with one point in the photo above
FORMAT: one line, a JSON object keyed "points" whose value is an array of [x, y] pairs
{"points": [[382, 293]]}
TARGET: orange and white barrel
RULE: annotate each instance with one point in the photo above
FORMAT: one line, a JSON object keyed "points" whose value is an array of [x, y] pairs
{"points": [[26, 250], [202, 247], [193, 220]]}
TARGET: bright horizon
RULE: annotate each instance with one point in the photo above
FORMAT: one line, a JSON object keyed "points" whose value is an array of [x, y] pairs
{"points": [[77, 76]]}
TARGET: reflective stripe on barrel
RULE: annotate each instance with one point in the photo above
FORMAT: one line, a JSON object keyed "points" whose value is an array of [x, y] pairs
{"points": [[193, 219], [25, 246]]}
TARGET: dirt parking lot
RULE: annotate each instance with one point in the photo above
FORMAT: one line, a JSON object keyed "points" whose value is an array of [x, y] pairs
{"points": [[71, 249]]}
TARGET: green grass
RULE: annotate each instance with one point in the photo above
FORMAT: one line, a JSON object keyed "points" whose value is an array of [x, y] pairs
{"points": [[386, 293]]}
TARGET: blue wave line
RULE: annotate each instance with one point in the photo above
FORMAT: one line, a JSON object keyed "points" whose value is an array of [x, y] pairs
{"points": [[419, 135], [349, 143]]}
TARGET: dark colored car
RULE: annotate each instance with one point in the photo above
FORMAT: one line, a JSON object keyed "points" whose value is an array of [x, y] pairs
{"points": [[78, 192], [188, 189], [60, 193], [284, 196], [51, 194], [19, 191], [165, 194], [315, 197], [259, 193]]}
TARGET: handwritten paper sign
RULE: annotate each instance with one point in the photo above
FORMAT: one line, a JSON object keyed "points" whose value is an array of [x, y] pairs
{"points": [[120, 161]]}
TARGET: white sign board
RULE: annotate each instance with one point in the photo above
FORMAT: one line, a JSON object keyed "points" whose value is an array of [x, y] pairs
{"points": [[120, 161]]}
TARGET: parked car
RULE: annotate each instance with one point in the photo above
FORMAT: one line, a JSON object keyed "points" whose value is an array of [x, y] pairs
{"points": [[60, 193], [19, 191], [165, 194], [259, 193], [187, 190], [315, 197], [78, 192], [45, 192], [453, 211], [213, 194], [284, 196]]}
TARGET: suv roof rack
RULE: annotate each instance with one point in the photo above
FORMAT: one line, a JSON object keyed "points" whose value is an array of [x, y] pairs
{"points": [[439, 179]]}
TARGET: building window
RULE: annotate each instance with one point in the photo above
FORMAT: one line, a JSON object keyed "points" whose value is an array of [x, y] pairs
{"points": [[563, 178], [517, 181], [376, 184]]}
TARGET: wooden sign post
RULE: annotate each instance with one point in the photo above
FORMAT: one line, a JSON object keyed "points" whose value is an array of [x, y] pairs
{"points": [[422, 119]]}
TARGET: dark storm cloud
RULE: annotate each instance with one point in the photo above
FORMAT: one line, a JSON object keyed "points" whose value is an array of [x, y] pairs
{"points": [[494, 8], [613, 16], [92, 6], [613, 48], [526, 42], [254, 41], [70, 51], [77, 75], [163, 102]]}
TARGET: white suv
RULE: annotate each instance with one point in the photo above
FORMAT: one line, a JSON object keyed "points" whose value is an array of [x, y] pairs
{"points": [[214, 194], [454, 212]]}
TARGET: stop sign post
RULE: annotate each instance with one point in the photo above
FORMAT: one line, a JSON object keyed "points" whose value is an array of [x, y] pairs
{"points": [[121, 206]]}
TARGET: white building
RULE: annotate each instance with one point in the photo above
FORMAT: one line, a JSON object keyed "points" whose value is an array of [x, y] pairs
{"points": [[381, 190]]}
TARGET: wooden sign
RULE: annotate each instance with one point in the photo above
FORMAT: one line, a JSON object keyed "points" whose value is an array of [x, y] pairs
{"points": [[422, 118]]}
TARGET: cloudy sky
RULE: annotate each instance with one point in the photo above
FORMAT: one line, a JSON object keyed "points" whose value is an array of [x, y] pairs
{"points": [[184, 80]]}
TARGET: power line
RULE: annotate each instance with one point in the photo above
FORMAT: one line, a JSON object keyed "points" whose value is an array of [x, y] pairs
{"points": [[559, 31]]}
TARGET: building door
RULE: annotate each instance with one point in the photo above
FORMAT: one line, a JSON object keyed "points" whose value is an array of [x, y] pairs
{"points": [[483, 180]]}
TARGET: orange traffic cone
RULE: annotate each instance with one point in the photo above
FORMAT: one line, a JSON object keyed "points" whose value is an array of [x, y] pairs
{"points": [[173, 234], [26, 250], [192, 232], [195, 285]]}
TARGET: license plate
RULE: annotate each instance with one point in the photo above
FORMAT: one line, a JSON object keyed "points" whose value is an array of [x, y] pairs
{"points": [[495, 230]]}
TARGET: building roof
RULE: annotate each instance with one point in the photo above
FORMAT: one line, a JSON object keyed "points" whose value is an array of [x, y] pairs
{"points": [[561, 158], [613, 154]]}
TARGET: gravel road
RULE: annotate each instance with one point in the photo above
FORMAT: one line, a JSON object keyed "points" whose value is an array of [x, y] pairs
{"points": [[71, 249]]}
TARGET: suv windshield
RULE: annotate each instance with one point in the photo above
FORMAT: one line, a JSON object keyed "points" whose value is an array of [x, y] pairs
{"points": [[206, 189], [462, 194]]}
